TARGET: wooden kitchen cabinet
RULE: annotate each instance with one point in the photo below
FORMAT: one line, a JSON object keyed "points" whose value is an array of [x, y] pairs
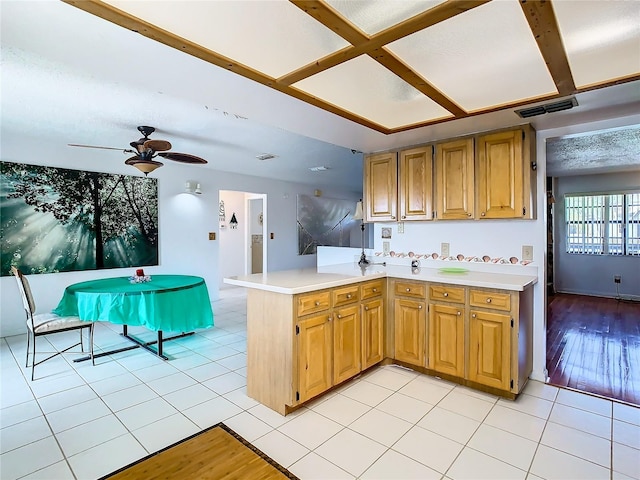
{"points": [[504, 174], [446, 338], [454, 171], [346, 343], [315, 351], [416, 184], [410, 322], [372, 317], [490, 349], [381, 187]]}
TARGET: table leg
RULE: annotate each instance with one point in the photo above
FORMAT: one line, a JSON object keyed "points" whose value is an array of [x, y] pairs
{"points": [[138, 343]]}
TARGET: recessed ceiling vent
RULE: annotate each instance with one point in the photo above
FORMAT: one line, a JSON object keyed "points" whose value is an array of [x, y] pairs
{"points": [[565, 104], [321, 168], [266, 156]]}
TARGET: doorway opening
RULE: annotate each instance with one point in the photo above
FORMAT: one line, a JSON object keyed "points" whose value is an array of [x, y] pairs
{"points": [[243, 227]]}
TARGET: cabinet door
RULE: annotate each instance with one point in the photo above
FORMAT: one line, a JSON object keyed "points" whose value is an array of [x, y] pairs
{"points": [[314, 356], [416, 184], [454, 180], [500, 175], [489, 349], [372, 333], [410, 326], [381, 187], [446, 339], [346, 343]]}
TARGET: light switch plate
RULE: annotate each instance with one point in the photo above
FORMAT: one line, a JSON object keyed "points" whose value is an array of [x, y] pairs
{"points": [[527, 253], [401, 227], [385, 247], [444, 249]]}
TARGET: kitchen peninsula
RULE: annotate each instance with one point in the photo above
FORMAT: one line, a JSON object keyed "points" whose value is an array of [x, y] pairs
{"points": [[309, 330]]}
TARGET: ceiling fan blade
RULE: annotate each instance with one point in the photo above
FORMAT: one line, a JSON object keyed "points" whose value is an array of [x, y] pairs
{"points": [[94, 146], [183, 158], [157, 145]]}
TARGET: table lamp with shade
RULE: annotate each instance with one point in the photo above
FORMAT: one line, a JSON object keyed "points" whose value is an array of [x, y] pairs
{"points": [[359, 215]]}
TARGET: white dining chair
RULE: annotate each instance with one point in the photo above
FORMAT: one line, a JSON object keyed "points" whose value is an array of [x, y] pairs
{"points": [[47, 323]]}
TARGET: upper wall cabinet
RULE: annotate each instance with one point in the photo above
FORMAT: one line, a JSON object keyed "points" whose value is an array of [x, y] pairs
{"points": [[381, 187], [485, 176], [399, 189], [416, 184], [454, 180], [504, 175]]}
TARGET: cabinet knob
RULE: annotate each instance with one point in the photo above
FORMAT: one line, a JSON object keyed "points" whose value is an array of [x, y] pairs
{"points": [[375, 290], [348, 295], [393, 217], [419, 307], [366, 308], [329, 318], [404, 216], [473, 315], [317, 304], [445, 294], [459, 313], [483, 214], [339, 316], [408, 289], [488, 300], [468, 214]]}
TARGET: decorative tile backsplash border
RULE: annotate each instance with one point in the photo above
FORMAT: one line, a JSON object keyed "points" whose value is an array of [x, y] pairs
{"points": [[458, 258]]}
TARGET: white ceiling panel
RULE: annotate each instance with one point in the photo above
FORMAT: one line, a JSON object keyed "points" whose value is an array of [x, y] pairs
{"points": [[602, 39], [481, 58], [274, 37], [365, 88], [373, 16]]}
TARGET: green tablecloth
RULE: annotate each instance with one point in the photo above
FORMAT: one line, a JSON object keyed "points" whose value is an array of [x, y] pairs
{"points": [[174, 303]]}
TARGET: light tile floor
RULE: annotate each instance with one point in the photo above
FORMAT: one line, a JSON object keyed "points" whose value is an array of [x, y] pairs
{"points": [[77, 421]]}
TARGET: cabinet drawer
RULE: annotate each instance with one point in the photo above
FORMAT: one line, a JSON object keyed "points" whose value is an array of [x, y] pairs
{"points": [[345, 295], [313, 302], [447, 293], [411, 289], [371, 289], [497, 301]]}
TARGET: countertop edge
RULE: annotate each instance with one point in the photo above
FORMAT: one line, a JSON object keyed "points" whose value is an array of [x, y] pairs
{"points": [[453, 279]]}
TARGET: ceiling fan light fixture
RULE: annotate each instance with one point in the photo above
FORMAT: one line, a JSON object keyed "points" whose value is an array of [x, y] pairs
{"points": [[145, 166]]}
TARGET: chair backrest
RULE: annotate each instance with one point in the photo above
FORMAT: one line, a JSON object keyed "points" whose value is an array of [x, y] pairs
{"points": [[25, 291]]}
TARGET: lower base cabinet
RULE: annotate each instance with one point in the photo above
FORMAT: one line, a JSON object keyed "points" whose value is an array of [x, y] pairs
{"points": [[314, 338], [410, 329], [490, 349], [446, 339], [372, 332], [346, 344]]}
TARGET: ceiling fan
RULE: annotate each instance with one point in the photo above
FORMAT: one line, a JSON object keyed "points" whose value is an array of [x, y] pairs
{"points": [[146, 149]]}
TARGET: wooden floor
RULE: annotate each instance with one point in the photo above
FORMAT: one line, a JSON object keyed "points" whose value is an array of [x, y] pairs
{"points": [[593, 345]]}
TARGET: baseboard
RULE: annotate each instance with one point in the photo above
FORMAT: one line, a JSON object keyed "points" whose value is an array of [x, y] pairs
{"points": [[631, 298]]}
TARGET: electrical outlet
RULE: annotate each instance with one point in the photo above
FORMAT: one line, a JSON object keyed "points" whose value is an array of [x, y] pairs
{"points": [[617, 279], [444, 249], [401, 227], [527, 253], [385, 247]]}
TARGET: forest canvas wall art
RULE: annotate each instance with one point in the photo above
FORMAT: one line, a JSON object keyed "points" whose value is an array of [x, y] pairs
{"points": [[59, 220]]}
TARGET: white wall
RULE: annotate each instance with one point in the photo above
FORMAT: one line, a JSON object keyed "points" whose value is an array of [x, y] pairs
{"points": [[233, 247], [184, 223], [593, 274]]}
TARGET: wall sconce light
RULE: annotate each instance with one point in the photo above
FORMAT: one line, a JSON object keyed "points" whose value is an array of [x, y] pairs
{"points": [[192, 187], [233, 223]]}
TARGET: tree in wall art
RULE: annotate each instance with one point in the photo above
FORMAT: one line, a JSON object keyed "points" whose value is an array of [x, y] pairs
{"points": [[60, 220]]}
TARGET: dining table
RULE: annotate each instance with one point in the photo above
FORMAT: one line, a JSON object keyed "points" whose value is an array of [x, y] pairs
{"points": [[161, 303]]}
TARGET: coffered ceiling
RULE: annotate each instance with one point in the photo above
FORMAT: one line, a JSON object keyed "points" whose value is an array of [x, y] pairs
{"points": [[394, 66]]}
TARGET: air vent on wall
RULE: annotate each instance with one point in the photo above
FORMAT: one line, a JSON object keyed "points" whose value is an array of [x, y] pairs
{"points": [[548, 108]]}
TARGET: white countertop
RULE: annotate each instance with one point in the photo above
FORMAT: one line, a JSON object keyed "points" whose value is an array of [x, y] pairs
{"points": [[310, 279]]}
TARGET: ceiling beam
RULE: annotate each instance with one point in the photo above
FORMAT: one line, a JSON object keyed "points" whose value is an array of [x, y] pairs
{"points": [[543, 24]]}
